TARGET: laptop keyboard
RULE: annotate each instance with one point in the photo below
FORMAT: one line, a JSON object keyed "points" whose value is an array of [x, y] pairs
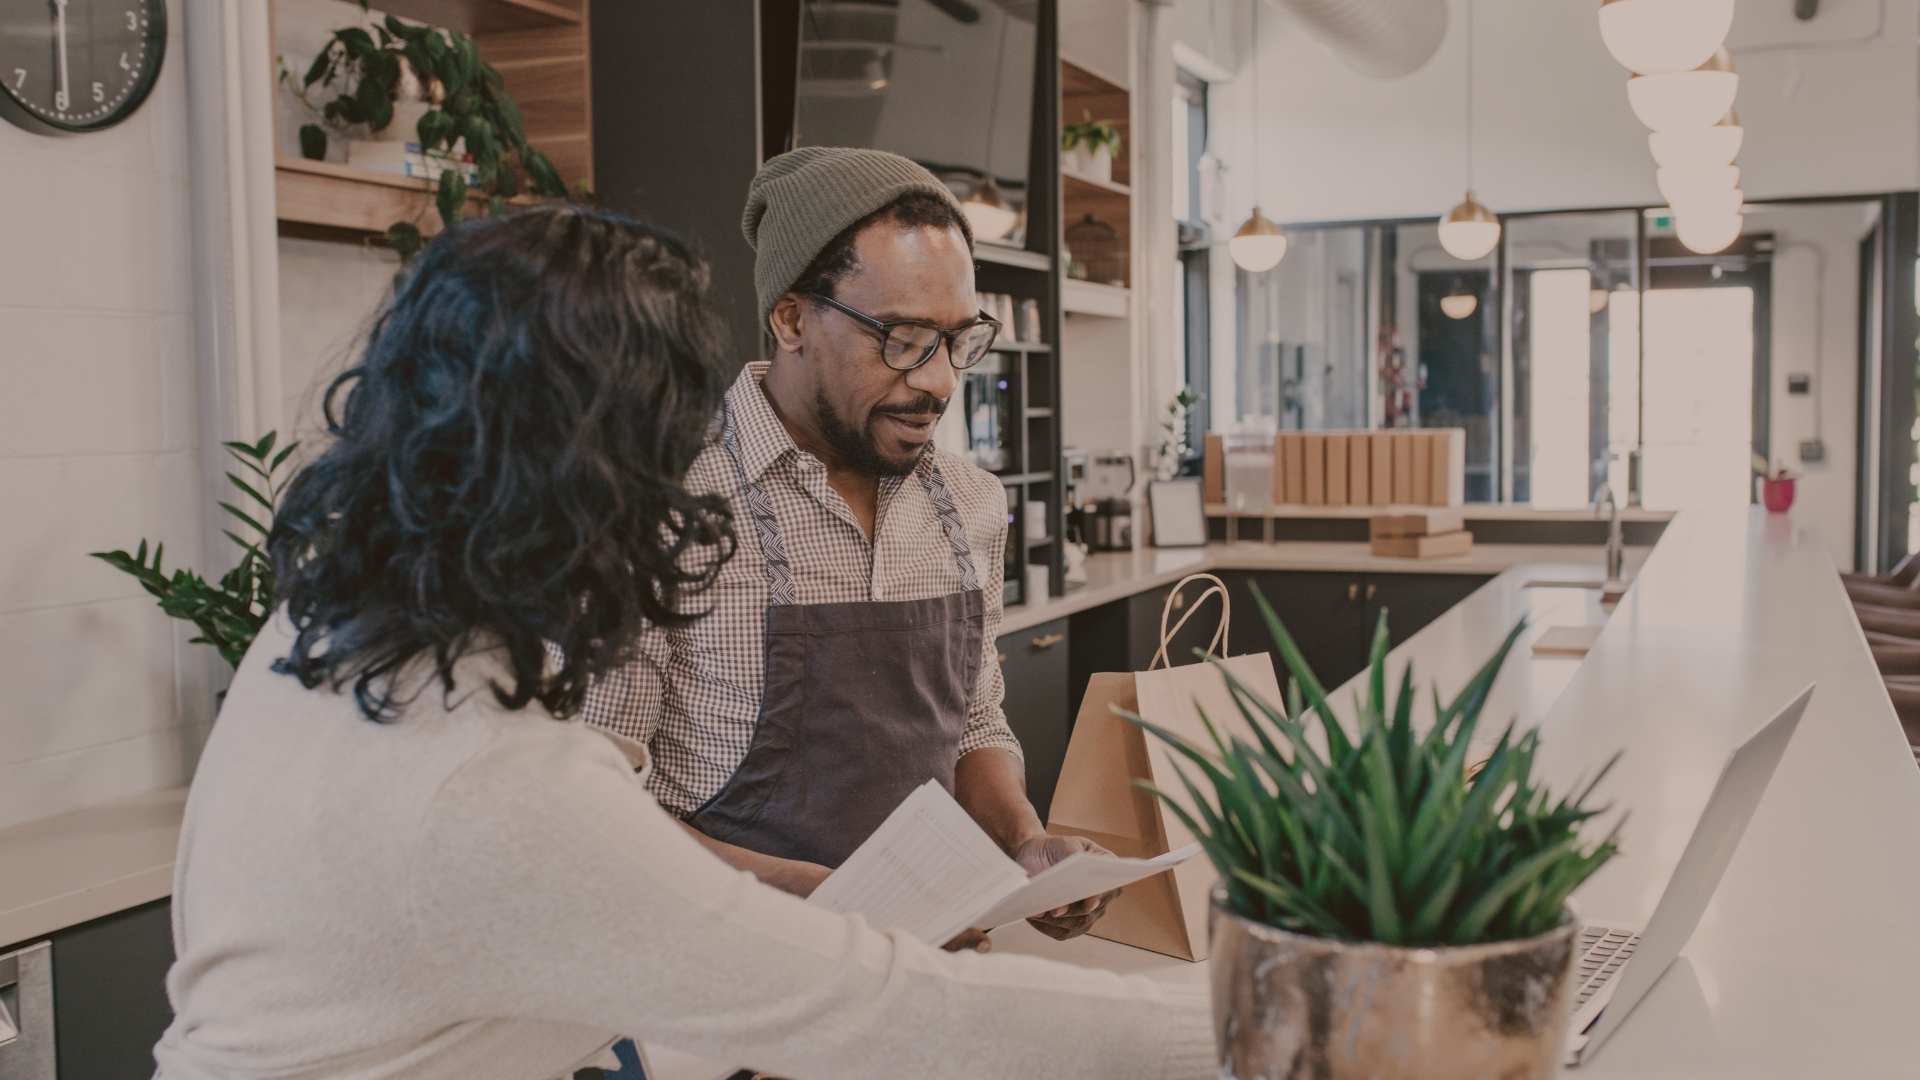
{"points": [[1603, 952]]}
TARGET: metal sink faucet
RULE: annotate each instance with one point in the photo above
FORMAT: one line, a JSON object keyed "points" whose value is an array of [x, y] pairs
{"points": [[1616, 541]]}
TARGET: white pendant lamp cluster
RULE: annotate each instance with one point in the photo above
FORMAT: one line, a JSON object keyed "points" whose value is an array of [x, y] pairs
{"points": [[1682, 89], [1469, 231], [1258, 245]]}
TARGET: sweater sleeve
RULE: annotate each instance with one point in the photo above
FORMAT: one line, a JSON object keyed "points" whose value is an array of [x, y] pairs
{"points": [[550, 886]]}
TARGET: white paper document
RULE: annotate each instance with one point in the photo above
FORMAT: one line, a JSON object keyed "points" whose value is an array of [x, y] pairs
{"points": [[930, 871]]}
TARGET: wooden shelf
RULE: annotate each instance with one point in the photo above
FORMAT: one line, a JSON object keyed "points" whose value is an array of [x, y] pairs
{"points": [[1012, 479], [358, 200], [1100, 301], [987, 251], [1040, 543], [1039, 412], [1021, 347], [1084, 80], [1094, 187], [488, 16]]}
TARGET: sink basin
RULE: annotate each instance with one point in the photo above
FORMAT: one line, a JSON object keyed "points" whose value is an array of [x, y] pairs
{"points": [[1566, 584]]}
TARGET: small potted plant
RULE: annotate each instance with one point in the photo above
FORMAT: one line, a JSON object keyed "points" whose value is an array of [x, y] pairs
{"points": [[1088, 148], [1388, 905], [1776, 485]]}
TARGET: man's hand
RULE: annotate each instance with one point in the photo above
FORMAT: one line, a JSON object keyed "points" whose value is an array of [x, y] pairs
{"points": [[1040, 852], [794, 876]]}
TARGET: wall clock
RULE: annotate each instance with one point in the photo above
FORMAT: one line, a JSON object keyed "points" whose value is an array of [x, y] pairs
{"points": [[74, 66]]}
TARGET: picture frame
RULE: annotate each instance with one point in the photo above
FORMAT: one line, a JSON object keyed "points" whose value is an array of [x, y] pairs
{"points": [[1179, 513]]}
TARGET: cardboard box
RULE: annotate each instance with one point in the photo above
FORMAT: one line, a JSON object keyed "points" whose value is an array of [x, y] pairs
{"points": [[1337, 476], [1213, 469], [1358, 469], [1380, 468], [1437, 546], [1412, 522], [1422, 446], [1402, 442], [1315, 456], [1449, 467]]}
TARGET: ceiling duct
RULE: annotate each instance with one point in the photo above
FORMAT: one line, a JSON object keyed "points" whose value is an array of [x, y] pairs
{"points": [[1384, 39]]}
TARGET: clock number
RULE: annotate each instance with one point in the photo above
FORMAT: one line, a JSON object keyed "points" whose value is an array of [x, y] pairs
{"points": [[60, 100], [133, 21], [99, 93], [19, 78], [124, 65]]}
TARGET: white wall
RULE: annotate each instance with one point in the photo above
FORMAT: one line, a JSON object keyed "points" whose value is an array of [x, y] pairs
{"points": [[1552, 126], [104, 696], [1817, 264]]}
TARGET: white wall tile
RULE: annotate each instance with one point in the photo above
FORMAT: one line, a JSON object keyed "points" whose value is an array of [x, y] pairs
{"points": [[99, 774], [60, 508], [83, 382], [85, 676]]}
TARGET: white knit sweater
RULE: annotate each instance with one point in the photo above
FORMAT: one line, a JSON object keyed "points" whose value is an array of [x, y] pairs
{"points": [[471, 892]]}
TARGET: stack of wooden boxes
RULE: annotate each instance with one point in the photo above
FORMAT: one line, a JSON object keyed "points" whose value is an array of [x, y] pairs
{"points": [[1394, 467], [1420, 534]]}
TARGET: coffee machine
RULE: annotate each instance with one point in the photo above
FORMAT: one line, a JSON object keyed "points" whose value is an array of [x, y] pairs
{"points": [[1100, 499]]}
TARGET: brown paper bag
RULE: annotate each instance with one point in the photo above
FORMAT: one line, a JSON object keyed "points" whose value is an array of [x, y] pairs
{"points": [[1096, 797]]}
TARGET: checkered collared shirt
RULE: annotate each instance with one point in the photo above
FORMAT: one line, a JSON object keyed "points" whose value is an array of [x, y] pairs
{"points": [[693, 693]]}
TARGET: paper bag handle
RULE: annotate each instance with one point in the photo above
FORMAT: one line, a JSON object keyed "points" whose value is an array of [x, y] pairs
{"points": [[1217, 646]]}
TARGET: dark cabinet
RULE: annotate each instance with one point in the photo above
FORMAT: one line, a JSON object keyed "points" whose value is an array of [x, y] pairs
{"points": [[110, 993], [1331, 616], [1035, 665]]}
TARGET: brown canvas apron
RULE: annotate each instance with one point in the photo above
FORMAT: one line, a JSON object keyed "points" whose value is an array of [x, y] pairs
{"points": [[862, 702]]}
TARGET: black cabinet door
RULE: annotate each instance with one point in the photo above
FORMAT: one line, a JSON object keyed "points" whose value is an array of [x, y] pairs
{"points": [[110, 993], [1144, 612], [1324, 613], [1411, 601], [1034, 662]]}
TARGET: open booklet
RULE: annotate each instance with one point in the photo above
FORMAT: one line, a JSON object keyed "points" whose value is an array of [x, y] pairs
{"points": [[930, 872]]}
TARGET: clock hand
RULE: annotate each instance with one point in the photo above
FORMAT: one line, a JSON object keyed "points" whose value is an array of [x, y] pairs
{"points": [[60, 28]]}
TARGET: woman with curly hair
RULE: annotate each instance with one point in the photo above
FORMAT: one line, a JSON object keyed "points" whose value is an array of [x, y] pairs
{"points": [[405, 856]]}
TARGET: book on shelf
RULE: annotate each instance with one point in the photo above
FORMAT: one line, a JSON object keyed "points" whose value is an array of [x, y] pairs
{"points": [[409, 159]]}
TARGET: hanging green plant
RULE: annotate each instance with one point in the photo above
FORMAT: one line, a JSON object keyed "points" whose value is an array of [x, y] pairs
{"points": [[470, 115]]}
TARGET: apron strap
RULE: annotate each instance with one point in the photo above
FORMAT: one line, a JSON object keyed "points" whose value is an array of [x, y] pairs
{"points": [[773, 547], [949, 515]]}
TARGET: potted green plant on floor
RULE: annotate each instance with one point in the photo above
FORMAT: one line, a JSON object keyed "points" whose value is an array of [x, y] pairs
{"points": [[1385, 908]]}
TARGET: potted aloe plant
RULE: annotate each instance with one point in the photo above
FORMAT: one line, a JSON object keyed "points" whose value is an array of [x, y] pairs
{"points": [[1385, 908], [1087, 148]]}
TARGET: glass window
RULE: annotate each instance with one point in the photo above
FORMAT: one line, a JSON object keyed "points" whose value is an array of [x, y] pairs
{"points": [[1575, 347], [1440, 363], [1303, 336]]}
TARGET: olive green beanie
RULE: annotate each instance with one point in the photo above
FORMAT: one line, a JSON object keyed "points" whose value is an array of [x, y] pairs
{"points": [[801, 200]]}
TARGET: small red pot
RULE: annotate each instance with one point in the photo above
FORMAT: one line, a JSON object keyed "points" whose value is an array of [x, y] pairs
{"points": [[1777, 493]]}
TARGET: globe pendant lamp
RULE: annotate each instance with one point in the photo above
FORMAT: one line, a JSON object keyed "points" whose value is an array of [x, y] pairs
{"points": [[1718, 145], [1470, 230], [1709, 233], [1687, 101], [1681, 186], [1459, 304], [1258, 245], [1655, 37], [1706, 205]]}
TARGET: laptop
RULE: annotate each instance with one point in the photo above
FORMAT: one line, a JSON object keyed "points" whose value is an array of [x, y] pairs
{"points": [[1618, 966]]}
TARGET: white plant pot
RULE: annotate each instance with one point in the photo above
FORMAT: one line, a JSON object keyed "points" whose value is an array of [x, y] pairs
{"points": [[1074, 160], [405, 126], [1099, 165]]}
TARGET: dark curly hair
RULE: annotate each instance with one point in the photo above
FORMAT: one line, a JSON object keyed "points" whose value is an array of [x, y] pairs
{"points": [[505, 472]]}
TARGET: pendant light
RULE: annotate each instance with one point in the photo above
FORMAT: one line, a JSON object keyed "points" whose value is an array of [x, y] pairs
{"points": [[1459, 303], [1470, 230], [1653, 37], [1258, 245], [988, 213], [1708, 234], [1685, 101], [1682, 186], [1718, 145]]}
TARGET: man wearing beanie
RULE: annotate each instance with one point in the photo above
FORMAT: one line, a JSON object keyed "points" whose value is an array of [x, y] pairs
{"points": [[848, 655]]}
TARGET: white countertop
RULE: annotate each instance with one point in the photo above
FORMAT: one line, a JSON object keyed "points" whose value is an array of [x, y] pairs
{"points": [[1115, 575], [63, 871], [1470, 511], [1804, 964]]}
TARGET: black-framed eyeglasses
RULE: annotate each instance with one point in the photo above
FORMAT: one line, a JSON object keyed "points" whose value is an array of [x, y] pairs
{"points": [[907, 343]]}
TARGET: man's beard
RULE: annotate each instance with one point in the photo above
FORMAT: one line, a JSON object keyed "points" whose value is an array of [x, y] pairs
{"points": [[860, 449]]}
